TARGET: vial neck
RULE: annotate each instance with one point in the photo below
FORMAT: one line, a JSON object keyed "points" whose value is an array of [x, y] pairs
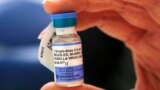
{"points": [[65, 31]]}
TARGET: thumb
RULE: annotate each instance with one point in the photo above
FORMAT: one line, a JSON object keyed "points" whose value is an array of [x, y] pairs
{"points": [[53, 86]]}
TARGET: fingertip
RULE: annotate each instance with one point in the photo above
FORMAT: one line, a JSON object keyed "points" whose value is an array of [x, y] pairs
{"points": [[49, 6], [56, 6], [59, 6]]}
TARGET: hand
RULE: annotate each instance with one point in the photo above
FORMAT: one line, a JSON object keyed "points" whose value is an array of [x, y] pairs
{"points": [[53, 86], [135, 22]]}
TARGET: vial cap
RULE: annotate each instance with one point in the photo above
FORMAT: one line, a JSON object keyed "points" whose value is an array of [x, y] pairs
{"points": [[62, 20]]}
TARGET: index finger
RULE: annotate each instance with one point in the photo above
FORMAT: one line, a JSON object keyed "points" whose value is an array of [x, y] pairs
{"points": [[56, 6]]}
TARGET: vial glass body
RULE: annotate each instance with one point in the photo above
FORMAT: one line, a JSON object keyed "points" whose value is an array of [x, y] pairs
{"points": [[67, 52]]}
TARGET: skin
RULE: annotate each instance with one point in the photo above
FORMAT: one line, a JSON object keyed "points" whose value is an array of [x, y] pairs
{"points": [[135, 22]]}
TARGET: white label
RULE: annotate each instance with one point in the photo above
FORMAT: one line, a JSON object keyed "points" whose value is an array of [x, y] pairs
{"points": [[68, 30], [69, 54], [45, 54], [68, 62]]}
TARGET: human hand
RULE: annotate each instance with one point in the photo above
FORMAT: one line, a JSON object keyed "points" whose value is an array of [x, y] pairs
{"points": [[135, 22], [53, 86]]}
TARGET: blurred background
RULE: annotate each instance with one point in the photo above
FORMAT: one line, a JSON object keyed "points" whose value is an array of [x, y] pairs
{"points": [[107, 62]]}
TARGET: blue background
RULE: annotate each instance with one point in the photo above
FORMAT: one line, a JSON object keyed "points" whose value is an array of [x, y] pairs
{"points": [[21, 21]]}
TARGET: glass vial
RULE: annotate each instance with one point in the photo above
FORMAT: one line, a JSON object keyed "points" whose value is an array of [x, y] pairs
{"points": [[67, 51]]}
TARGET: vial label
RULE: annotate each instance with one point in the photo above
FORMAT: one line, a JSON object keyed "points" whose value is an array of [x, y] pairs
{"points": [[68, 62], [66, 30], [68, 74]]}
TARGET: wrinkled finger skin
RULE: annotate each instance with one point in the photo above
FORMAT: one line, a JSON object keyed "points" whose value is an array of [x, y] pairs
{"points": [[152, 6], [135, 22]]}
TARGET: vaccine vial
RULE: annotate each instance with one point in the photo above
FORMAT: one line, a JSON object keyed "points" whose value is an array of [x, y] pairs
{"points": [[67, 51]]}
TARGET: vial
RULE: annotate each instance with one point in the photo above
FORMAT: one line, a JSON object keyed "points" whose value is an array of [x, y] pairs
{"points": [[67, 51]]}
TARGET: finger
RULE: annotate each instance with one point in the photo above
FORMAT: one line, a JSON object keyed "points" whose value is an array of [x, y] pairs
{"points": [[53, 86], [87, 20], [137, 16], [154, 11], [145, 73], [140, 2], [152, 6], [112, 24], [56, 6], [120, 29]]}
